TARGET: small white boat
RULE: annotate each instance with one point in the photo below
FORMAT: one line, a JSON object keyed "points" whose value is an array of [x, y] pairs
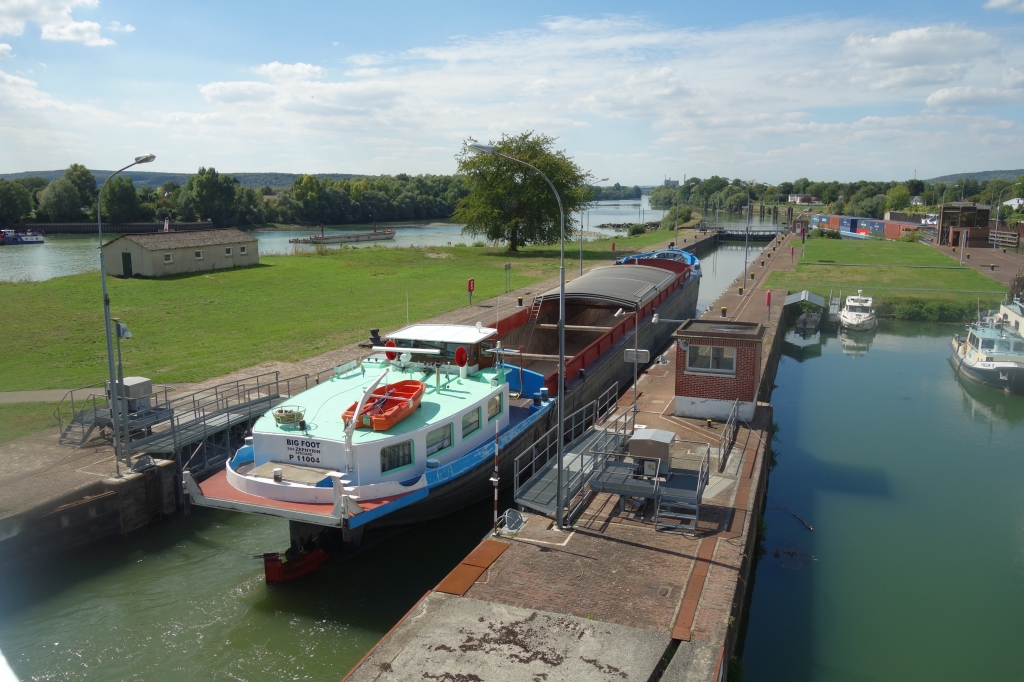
{"points": [[858, 313]]}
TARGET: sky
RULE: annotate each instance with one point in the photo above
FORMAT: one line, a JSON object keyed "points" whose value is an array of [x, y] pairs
{"points": [[633, 92]]}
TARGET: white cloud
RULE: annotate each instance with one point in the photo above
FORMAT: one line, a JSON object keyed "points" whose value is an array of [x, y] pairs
{"points": [[54, 19], [6, 51], [1012, 5], [630, 100], [120, 28]]}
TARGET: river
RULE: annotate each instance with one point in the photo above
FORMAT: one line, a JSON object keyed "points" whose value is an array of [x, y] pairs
{"points": [[69, 254], [185, 599], [913, 483]]}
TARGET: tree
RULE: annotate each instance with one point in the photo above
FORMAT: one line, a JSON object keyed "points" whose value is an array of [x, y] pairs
{"points": [[14, 202], [61, 201], [34, 185], [120, 201], [84, 181], [509, 201], [897, 198], [208, 195], [915, 187]]}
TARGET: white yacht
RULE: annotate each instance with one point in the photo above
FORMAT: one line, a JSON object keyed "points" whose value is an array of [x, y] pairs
{"points": [[858, 313]]}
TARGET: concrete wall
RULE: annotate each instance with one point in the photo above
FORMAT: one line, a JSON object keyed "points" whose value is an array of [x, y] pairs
{"points": [[151, 263]]}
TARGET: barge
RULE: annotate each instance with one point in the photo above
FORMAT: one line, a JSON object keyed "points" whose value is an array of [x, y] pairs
{"points": [[346, 237], [484, 388], [993, 351]]}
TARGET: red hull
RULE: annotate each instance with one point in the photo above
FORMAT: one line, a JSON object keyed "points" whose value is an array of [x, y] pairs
{"points": [[277, 571]]}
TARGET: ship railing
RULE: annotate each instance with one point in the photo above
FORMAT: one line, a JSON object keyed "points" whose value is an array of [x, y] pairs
{"points": [[728, 436]]}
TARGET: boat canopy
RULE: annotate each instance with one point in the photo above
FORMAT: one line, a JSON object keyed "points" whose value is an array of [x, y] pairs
{"points": [[443, 333], [615, 285]]}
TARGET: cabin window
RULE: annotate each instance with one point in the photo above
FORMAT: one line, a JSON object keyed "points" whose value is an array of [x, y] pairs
{"points": [[396, 456], [1003, 345], [470, 423], [168, 258], [242, 250], [494, 407], [227, 252], [711, 359], [439, 439], [1018, 346], [972, 340], [988, 344], [199, 255]]}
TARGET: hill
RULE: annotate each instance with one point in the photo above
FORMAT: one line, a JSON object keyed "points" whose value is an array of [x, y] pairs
{"points": [[980, 176], [142, 178]]}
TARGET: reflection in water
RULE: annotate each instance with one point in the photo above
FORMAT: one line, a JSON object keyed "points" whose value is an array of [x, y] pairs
{"points": [[856, 342], [898, 467], [802, 345]]}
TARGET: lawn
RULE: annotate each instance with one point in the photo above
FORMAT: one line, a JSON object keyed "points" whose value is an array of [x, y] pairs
{"points": [[20, 419], [886, 277], [192, 327]]}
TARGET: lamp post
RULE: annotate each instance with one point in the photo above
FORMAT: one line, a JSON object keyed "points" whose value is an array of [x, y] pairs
{"points": [[121, 332], [560, 407], [746, 236], [115, 420]]}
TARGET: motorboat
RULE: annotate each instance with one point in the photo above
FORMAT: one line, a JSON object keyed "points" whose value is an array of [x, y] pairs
{"points": [[858, 313], [992, 353], [11, 237]]}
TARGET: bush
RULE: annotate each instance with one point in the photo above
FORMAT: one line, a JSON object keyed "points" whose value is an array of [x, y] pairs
{"points": [[910, 236], [818, 233], [928, 309], [636, 229], [479, 243], [462, 244]]}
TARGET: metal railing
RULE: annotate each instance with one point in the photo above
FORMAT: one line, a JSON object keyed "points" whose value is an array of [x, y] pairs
{"points": [[613, 437], [84, 409], [197, 416], [1004, 238], [728, 436]]}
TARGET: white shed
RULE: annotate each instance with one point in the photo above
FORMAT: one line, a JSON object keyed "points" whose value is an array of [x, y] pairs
{"points": [[158, 254]]}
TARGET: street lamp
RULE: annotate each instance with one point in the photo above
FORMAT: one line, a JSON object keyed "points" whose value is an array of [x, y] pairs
{"points": [[560, 406], [115, 421], [746, 236], [121, 332]]}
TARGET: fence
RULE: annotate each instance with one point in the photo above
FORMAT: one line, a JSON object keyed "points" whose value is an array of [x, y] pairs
{"points": [[728, 436]]}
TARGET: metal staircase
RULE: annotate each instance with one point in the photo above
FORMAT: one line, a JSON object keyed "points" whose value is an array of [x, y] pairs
{"points": [[676, 515], [78, 416]]}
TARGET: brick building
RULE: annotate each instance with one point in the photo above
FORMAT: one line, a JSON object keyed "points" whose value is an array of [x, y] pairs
{"points": [[717, 362]]}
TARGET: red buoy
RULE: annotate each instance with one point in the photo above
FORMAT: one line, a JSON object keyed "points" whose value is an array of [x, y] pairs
{"points": [[391, 356], [461, 357]]}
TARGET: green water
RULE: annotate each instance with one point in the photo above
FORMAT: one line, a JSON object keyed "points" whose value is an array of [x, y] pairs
{"points": [[914, 485], [185, 601]]}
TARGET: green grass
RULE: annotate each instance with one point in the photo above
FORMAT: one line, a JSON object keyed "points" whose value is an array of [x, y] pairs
{"points": [[21, 419], [193, 327], [936, 293]]}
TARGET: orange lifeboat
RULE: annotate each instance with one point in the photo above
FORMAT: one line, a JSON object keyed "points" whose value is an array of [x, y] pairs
{"points": [[388, 405]]}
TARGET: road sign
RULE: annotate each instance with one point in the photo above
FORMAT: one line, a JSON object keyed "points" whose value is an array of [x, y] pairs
{"points": [[642, 356], [470, 285]]}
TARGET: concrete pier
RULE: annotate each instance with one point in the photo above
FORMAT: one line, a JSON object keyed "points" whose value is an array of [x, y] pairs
{"points": [[610, 598]]}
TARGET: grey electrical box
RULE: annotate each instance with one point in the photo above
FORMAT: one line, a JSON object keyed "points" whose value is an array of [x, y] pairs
{"points": [[652, 444]]}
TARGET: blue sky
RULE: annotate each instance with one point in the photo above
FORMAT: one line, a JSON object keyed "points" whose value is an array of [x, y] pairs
{"points": [[634, 92]]}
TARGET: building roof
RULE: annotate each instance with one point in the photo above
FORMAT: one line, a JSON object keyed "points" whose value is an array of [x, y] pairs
{"points": [[442, 333], [161, 241], [616, 284], [721, 329]]}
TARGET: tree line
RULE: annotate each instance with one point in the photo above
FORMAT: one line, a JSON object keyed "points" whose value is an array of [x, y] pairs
{"points": [[861, 198], [220, 199]]}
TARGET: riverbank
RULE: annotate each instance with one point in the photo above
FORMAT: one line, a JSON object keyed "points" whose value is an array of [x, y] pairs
{"points": [[909, 281], [193, 327]]}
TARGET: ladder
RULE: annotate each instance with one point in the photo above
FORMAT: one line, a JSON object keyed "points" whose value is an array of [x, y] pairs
{"points": [[535, 310]]}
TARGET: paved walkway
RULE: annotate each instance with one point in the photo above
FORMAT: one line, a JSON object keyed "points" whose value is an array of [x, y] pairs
{"points": [[1006, 265]]}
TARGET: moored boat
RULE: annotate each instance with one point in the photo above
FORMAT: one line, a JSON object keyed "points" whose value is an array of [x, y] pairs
{"points": [[678, 255], [346, 237], [992, 353], [11, 237], [315, 468], [858, 313]]}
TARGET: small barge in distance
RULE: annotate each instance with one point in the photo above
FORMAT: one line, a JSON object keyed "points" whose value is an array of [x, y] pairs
{"points": [[346, 237]]}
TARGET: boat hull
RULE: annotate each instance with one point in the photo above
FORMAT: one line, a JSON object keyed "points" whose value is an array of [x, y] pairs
{"points": [[861, 325], [1008, 378]]}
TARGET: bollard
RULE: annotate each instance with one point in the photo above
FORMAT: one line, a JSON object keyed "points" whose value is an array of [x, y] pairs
{"points": [[520, 301], [993, 266], [770, 255], [709, 423], [762, 265], [968, 256], [740, 292], [725, 310], [752, 274]]}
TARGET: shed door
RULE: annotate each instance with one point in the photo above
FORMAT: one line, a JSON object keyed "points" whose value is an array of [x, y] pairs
{"points": [[126, 263]]}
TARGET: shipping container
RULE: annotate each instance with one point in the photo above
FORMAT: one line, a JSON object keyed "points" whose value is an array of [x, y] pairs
{"points": [[833, 221]]}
